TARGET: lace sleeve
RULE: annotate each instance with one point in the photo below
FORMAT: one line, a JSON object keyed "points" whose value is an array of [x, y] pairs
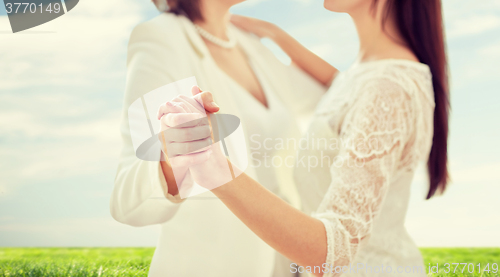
{"points": [[373, 136]]}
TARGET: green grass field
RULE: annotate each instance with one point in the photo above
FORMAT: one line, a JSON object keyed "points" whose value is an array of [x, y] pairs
{"points": [[76, 262]]}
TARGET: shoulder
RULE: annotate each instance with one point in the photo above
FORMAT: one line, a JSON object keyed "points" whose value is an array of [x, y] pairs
{"points": [[161, 35], [395, 77], [159, 28], [381, 94], [382, 89], [381, 107]]}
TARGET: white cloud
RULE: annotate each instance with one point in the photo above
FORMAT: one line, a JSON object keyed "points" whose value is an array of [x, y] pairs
{"points": [[473, 25], [487, 173], [4, 190], [491, 51], [60, 51], [465, 216], [334, 39], [306, 2], [61, 85], [58, 118], [103, 231]]}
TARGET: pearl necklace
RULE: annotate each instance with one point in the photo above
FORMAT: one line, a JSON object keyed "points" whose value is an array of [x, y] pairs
{"points": [[231, 43]]}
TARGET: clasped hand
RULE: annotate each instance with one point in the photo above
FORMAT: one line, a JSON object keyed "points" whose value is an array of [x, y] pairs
{"points": [[188, 142]]}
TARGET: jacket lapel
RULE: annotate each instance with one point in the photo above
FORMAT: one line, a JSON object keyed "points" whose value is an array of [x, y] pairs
{"points": [[275, 77], [210, 77]]}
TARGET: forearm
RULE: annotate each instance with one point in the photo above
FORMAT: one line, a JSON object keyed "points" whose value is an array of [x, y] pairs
{"points": [[294, 234], [315, 66]]}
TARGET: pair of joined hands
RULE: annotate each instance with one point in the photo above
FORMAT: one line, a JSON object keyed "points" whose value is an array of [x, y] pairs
{"points": [[187, 141]]}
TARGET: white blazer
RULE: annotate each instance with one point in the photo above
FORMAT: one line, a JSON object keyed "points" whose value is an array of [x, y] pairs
{"points": [[204, 238]]}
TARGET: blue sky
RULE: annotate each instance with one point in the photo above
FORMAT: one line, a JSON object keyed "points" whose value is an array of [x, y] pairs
{"points": [[61, 88]]}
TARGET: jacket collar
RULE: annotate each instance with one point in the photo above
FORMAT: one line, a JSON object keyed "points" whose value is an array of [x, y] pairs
{"points": [[193, 37]]}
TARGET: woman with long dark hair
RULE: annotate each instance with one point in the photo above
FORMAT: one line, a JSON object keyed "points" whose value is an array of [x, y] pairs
{"points": [[382, 117]]}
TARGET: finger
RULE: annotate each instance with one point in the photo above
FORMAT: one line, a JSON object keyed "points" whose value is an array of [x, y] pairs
{"points": [[191, 103], [187, 134], [183, 148], [207, 100], [187, 103], [195, 90], [244, 22], [190, 159], [170, 107], [184, 120], [238, 19]]}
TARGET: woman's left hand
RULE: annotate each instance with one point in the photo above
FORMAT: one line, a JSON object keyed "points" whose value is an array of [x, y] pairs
{"points": [[255, 26]]}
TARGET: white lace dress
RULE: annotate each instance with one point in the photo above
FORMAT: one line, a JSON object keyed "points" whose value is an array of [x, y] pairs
{"points": [[368, 134]]}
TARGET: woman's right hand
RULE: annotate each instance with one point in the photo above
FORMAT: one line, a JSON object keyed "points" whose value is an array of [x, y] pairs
{"points": [[193, 146], [181, 135], [184, 126], [260, 28]]}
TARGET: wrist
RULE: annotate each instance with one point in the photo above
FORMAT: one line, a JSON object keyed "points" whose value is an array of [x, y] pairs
{"points": [[224, 190], [227, 189]]}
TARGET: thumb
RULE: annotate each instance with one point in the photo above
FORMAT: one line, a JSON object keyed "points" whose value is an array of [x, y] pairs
{"points": [[195, 90], [207, 100]]}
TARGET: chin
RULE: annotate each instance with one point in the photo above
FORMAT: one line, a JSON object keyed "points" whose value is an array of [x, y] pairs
{"points": [[235, 2], [329, 5]]}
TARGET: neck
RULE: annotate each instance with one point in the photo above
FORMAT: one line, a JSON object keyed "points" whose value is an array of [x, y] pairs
{"points": [[215, 18], [375, 38]]}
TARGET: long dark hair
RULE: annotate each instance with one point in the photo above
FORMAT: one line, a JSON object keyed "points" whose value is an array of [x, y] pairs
{"points": [[420, 23]]}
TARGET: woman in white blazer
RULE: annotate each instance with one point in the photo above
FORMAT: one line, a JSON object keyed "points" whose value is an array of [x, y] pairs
{"points": [[200, 236]]}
